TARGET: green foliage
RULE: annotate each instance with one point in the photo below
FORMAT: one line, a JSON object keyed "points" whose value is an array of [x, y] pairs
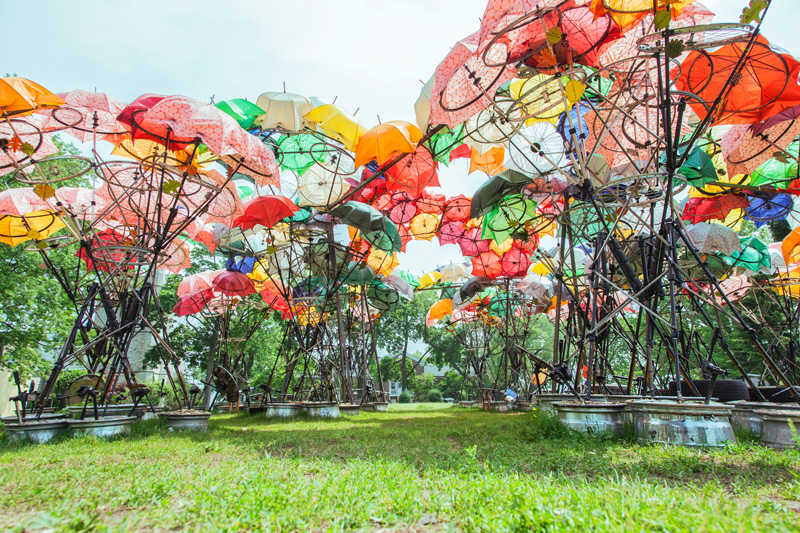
{"points": [[405, 397], [451, 385], [422, 385], [434, 395]]}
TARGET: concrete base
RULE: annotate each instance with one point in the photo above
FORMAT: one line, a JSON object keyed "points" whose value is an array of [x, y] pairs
{"points": [[192, 421], [322, 409], [111, 410], [500, 407], [104, 427], [466, 403], [685, 424], [282, 410], [41, 431], [776, 430], [348, 409], [523, 406], [591, 417]]}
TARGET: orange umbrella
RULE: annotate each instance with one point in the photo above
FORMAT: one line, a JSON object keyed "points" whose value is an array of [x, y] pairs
{"points": [[438, 311], [790, 249], [767, 82], [386, 141], [19, 96], [487, 265], [490, 162]]}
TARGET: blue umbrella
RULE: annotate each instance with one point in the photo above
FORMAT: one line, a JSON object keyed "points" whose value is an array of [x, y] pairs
{"points": [[765, 210], [244, 265]]}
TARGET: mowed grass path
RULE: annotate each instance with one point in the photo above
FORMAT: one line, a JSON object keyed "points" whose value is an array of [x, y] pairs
{"points": [[411, 469]]}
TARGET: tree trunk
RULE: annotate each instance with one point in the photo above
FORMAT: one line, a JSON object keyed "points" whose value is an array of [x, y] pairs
{"points": [[210, 359], [403, 376]]}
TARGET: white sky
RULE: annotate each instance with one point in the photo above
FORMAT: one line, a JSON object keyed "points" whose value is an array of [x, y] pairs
{"points": [[370, 54]]}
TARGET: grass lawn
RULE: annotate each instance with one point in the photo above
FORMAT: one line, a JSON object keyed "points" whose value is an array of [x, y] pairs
{"points": [[414, 468]]}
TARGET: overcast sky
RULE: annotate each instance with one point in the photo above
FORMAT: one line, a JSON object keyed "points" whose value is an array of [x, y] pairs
{"points": [[371, 54]]}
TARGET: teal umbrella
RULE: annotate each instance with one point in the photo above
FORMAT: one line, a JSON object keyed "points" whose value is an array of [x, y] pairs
{"points": [[494, 190], [386, 240], [361, 216], [754, 255], [409, 278], [359, 274], [382, 297]]}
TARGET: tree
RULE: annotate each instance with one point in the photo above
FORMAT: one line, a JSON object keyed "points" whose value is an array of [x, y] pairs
{"points": [[404, 324]]}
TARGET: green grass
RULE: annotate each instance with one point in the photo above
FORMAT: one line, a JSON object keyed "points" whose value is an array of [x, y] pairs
{"points": [[415, 469]]}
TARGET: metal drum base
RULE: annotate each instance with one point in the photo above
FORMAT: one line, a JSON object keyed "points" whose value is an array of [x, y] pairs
{"points": [[36, 431], [523, 406], [106, 426], [282, 410], [322, 409], [500, 407], [591, 417], [684, 424], [348, 409], [744, 417], [466, 404], [192, 421], [544, 402], [776, 430]]}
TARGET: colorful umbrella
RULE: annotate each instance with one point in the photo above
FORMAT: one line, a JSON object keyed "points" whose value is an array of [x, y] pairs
{"points": [[191, 304], [233, 284], [386, 141], [266, 210], [284, 110], [338, 123]]}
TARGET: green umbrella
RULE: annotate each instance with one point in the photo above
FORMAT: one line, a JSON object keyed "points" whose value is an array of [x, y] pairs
{"points": [[448, 292], [409, 278], [359, 274], [296, 152], [243, 111], [698, 168], [494, 190], [754, 255], [779, 171], [506, 217], [382, 297], [443, 142], [597, 87], [361, 216], [300, 216], [319, 259], [386, 240]]}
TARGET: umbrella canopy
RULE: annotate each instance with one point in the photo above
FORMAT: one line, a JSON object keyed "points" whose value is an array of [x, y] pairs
{"points": [[424, 226], [515, 263], [20, 96], [242, 111], [387, 239], [451, 232], [409, 278], [284, 110], [537, 149], [413, 173], [778, 172], [422, 107], [386, 141], [402, 286], [359, 274], [754, 256], [383, 297], [507, 216], [198, 282], [472, 244], [191, 304], [429, 279], [363, 217], [494, 190], [233, 284], [320, 187], [99, 114], [769, 209], [381, 262], [438, 311], [457, 208], [487, 265], [717, 207], [766, 84], [712, 238], [337, 122], [489, 162], [35, 225], [265, 210], [452, 272]]}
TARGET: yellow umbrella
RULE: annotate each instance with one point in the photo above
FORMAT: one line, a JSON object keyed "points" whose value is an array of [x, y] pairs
{"points": [[540, 98], [424, 226], [151, 151], [381, 262], [337, 122], [33, 226], [19, 96], [386, 141], [502, 247], [429, 279]]}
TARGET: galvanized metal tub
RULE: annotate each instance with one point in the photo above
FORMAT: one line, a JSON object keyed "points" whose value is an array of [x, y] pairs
{"points": [[282, 410], [122, 409], [685, 424], [349, 409], [744, 415], [776, 430], [523, 406], [381, 407], [188, 421], [105, 426], [48, 417], [322, 409], [37, 431], [466, 403], [591, 417], [501, 407], [545, 401]]}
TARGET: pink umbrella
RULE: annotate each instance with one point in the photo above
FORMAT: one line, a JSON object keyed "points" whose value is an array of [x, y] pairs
{"points": [[30, 130], [95, 111], [745, 150], [403, 212], [233, 284], [451, 232], [465, 84], [188, 119], [471, 243], [198, 282]]}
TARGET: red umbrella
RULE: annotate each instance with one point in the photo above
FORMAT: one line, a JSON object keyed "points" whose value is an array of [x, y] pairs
{"points": [[515, 263], [233, 284], [766, 84], [99, 113], [198, 282], [462, 151], [193, 303], [413, 173], [405, 236], [133, 113], [431, 203], [717, 207], [471, 243], [487, 265], [266, 210], [457, 208]]}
